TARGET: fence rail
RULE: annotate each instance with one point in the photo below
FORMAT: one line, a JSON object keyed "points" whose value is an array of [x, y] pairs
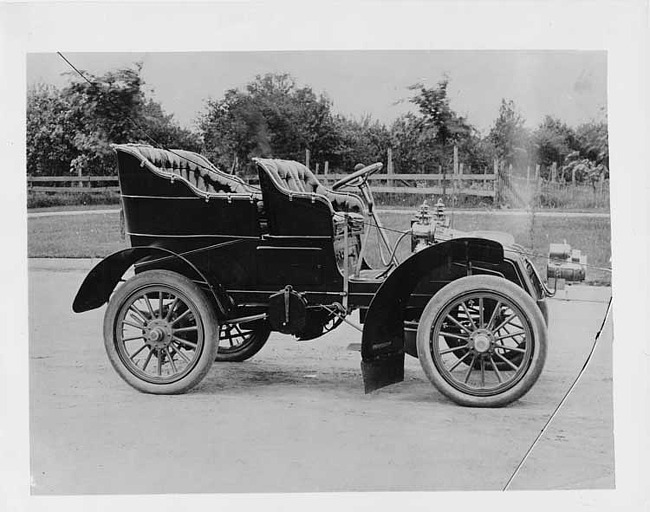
{"points": [[79, 184], [503, 187], [416, 177], [454, 183]]}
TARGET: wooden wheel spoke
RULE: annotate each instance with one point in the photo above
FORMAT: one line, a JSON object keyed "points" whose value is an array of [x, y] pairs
{"points": [[171, 360], [458, 362], [482, 372], [504, 323], [182, 315], [452, 335], [513, 349], [177, 351], [148, 303], [507, 361], [448, 350], [146, 362], [186, 329], [131, 338], [171, 309], [496, 370], [137, 352], [469, 316], [160, 304], [469, 370], [132, 324], [139, 313], [184, 342], [493, 316], [511, 335], [459, 324], [481, 312], [159, 368]]}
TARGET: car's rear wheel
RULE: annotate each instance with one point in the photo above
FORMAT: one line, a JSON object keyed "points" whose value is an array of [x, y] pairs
{"points": [[241, 341], [482, 341], [160, 332]]}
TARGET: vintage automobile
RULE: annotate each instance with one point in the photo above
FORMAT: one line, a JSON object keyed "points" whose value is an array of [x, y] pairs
{"points": [[219, 264]]}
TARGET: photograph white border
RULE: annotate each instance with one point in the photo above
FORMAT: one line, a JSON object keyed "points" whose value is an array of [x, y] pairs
{"points": [[620, 28]]}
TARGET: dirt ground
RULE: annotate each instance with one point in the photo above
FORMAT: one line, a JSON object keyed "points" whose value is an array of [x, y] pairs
{"points": [[295, 418]]}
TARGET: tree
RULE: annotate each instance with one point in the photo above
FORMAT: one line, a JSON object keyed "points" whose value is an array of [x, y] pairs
{"points": [[593, 142], [271, 117], [425, 140], [553, 141], [70, 130], [359, 141], [50, 133], [508, 135]]}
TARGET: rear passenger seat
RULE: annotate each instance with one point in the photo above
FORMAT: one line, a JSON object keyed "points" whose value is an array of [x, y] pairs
{"points": [[196, 170]]}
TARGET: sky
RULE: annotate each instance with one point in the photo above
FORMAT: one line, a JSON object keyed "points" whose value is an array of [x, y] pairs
{"points": [[571, 85]]}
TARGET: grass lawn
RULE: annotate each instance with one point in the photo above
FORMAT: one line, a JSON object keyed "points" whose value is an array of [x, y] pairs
{"points": [[97, 235], [78, 236], [591, 235]]}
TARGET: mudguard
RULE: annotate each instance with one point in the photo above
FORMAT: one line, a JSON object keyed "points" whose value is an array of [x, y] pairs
{"points": [[382, 343], [102, 279]]}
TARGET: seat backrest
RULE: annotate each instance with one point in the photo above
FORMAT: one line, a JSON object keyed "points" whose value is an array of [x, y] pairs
{"points": [[293, 176], [191, 167], [295, 211]]}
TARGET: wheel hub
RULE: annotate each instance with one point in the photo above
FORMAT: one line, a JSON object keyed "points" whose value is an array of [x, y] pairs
{"points": [[482, 341], [158, 334]]}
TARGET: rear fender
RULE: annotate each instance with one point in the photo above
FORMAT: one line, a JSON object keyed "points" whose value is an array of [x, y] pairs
{"points": [[382, 343], [102, 279]]}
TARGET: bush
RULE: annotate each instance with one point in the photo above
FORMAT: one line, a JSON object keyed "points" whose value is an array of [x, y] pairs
{"points": [[47, 199]]}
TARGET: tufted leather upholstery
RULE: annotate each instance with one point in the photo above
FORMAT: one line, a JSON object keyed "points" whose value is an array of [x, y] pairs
{"points": [[194, 168], [293, 176]]}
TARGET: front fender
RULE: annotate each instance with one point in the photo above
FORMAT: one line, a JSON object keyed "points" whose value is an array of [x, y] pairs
{"points": [[382, 343], [102, 279]]}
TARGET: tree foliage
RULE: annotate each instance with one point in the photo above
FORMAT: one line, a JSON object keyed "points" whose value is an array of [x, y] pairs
{"points": [[70, 130], [508, 135], [271, 117], [424, 141], [359, 141]]}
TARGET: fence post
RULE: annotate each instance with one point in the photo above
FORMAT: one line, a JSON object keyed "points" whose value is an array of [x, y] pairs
{"points": [[496, 182], [326, 168], [454, 182], [444, 180], [81, 183], [389, 167], [602, 183], [553, 172], [307, 158]]}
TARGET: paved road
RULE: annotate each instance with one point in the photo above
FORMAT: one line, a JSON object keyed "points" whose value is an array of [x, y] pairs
{"points": [[295, 419], [539, 213]]}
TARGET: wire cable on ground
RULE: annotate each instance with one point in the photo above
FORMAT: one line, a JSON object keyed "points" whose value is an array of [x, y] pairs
{"points": [[564, 398]]}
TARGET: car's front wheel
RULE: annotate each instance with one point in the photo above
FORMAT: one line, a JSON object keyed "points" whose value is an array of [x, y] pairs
{"points": [[482, 341]]}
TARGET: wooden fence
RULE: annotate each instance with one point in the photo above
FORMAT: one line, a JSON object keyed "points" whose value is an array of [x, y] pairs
{"points": [[468, 184], [78, 184], [503, 186]]}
